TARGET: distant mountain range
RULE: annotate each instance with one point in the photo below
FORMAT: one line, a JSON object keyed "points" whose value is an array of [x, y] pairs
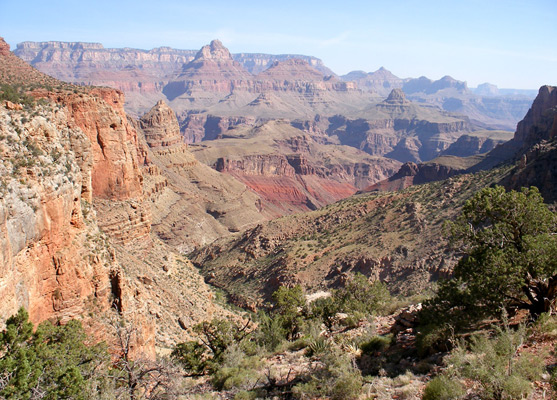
{"points": [[166, 73]]}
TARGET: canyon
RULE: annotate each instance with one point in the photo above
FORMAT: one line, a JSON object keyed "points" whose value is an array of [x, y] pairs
{"points": [[393, 234], [99, 222], [290, 114]]}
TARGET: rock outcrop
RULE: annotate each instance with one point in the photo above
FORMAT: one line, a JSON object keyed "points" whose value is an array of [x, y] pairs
{"points": [[4, 47], [540, 123], [392, 237], [535, 141], [381, 81], [469, 145], [160, 126], [50, 264], [532, 149], [396, 97]]}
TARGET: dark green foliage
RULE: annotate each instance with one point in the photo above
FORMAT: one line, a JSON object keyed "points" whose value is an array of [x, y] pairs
{"points": [[237, 370], [270, 332], [443, 388], [192, 356], [360, 295], [318, 346], [54, 361], [326, 309], [288, 304], [336, 377], [510, 257], [216, 337], [376, 344], [358, 298]]}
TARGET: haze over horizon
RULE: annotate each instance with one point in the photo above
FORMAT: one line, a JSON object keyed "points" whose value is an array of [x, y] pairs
{"points": [[506, 43]]}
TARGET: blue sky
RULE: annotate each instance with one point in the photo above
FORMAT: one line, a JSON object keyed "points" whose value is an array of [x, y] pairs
{"points": [[511, 43]]}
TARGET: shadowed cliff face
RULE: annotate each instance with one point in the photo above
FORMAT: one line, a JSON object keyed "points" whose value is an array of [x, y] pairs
{"points": [[536, 139]]}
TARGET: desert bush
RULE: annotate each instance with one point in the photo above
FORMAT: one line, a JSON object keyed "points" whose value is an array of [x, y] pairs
{"points": [[443, 388], [509, 245], [237, 370], [287, 310], [317, 346], [361, 295], [270, 333], [433, 338], [216, 337], [495, 365], [245, 395], [192, 356], [336, 377], [51, 362], [545, 327]]}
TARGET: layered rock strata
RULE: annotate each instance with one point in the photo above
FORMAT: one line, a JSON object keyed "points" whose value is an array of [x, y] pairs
{"points": [[69, 165]]}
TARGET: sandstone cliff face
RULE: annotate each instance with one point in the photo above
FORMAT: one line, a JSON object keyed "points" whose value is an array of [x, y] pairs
{"points": [[199, 127], [540, 123], [468, 145], [381, 81], [484, 108], [50, 262], [395, 128], [78, 62], [55, 194], [91, 64], [214, 71]]}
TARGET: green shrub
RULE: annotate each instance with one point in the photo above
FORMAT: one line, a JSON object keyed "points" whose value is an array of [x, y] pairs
{"points": [[192, 356], [432, 338], [335, 377], [443, 388], [545, 327], [376, 344], [245, 395], [270, 333], [553, 380], [287, 305], [54, 360], [347, 386], [494, 364], [237, 370], [360, 295]]}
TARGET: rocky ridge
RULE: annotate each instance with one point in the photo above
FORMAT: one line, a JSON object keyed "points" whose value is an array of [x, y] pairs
{"points": [[69, 168], [390, 236], [395, 237], [485, 109]]}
